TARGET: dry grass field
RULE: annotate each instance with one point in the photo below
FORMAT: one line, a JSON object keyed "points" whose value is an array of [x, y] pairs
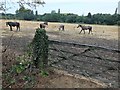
{"points": [[103, 35]]}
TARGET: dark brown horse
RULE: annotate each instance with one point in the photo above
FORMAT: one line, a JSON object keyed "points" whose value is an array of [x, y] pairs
{"points": [[43, 25], [13, 24], [85, 28], [61, 27]]}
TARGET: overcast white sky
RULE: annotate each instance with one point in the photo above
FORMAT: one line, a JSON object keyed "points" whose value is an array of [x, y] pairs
{"points": [[71, 6], [56, 1]]}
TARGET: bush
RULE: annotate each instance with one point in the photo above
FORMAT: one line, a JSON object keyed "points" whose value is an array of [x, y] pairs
{"points": [[118, 23], [40, 49]]}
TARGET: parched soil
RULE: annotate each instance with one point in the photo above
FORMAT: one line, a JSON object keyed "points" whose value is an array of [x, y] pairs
{"points": [[16, 42]]}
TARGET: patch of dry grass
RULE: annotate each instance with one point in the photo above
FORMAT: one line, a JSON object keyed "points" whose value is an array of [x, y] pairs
{"points": [[99, 31]]}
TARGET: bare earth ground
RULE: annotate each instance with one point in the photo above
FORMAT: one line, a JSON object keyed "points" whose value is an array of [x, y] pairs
{"points": [[106, 36]]}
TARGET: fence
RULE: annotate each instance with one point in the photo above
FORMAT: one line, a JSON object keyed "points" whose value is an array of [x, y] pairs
{"points": [[88, 60]]}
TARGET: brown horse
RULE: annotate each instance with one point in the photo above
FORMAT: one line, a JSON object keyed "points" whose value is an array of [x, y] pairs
{"points": [[13, 24], [61, 27], [85, 28], [43, 25]]}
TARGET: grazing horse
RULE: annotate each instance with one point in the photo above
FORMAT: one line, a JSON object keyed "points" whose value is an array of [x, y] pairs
{"points": [[43, 25], [85, 28], [17, 24], [61, 27]]}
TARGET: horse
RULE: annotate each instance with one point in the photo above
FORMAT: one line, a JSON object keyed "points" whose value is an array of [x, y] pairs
{"points": [[85, 28], [61, 27], [17, 24], [43, 25]]}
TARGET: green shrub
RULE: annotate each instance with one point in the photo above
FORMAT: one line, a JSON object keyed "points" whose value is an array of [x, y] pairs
{"points": [[40, 48]]}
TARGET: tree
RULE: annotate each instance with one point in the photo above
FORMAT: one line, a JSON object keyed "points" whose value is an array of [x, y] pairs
{"points": [[40, 49], [53, 12], [80, 19], [89, 15], [116, 11], [71, 18], [118, 23], [34, 3], [25, 14], [58, 11], [36, 13]]}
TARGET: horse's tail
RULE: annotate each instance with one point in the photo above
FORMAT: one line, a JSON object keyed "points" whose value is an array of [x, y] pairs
{"points": [[19, 28]]}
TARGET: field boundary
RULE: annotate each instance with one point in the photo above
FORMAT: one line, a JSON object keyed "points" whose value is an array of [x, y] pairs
{"points": [[88, 60], [83, 45]]}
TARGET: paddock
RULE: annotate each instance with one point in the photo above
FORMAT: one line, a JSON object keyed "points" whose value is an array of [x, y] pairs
{"points": [[103, 64]]}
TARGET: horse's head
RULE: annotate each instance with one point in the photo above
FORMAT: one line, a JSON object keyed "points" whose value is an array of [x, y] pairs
{"points": [[79, 26], [46, 23], [6, 23]]}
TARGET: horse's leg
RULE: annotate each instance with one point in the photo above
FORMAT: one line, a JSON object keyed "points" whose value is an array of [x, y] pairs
{"points": [[84, 31], [19, 28], [59, 28], [89, 31], [63, 28], [10, 28], [16, 28], [80, 31]]}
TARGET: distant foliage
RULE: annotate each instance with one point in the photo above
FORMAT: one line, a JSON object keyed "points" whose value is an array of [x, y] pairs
{"points": [[25, 14], [99, 18], [118, 23], [71, 18]]}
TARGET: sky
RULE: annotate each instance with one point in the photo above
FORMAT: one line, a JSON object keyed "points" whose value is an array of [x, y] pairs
{"points": [[80, 7]]}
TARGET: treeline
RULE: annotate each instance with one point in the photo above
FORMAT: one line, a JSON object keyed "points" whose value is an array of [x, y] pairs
{"points": [[27, 14]]}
